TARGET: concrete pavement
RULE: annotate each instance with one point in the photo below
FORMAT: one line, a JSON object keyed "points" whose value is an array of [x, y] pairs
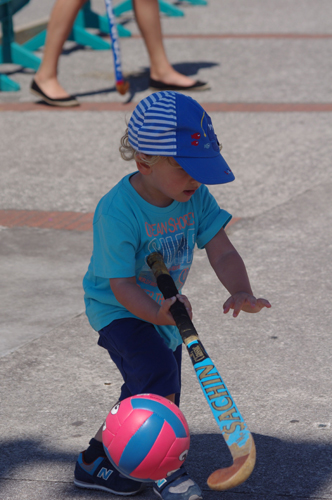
{"points": [[56, 384]]}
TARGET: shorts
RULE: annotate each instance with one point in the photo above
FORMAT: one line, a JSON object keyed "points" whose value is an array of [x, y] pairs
{"points": [[146, 363]]}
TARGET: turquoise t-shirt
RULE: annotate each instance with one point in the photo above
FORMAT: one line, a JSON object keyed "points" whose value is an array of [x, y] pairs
{"points": [[126, 229]]}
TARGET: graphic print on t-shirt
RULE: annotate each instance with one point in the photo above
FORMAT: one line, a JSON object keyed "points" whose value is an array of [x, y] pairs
{"points": [[174, 239]]}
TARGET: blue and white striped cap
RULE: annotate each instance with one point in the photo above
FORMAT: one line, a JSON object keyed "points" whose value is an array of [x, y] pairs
{"points": [[173, 124]]}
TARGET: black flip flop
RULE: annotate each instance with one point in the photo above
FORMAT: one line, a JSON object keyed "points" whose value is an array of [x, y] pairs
{"points": [[62, 102], [198, 85]]}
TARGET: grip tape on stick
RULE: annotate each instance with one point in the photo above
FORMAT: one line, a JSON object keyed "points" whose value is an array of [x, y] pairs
{"points": [[179, 312]]}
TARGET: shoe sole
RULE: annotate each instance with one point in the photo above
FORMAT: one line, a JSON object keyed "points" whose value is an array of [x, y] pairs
{"points": [[189, 89], [192, 497], [68, 104], [92, 486]]}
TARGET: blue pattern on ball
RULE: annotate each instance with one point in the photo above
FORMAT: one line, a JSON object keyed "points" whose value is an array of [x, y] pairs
{"points": [[163, 412], [141, 443]]}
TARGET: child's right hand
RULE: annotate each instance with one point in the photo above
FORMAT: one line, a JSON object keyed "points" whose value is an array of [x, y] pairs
{"points": [[164, 316]]}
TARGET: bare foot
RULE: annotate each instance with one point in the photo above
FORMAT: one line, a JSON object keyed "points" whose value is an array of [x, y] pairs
{"points": [[51, 87], [173, 78]]}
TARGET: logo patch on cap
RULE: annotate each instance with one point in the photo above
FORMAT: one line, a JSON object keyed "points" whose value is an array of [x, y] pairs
{"points": [[175, 125]]}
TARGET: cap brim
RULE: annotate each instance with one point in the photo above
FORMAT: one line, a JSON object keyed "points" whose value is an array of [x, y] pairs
{"points": [[207, 170]]}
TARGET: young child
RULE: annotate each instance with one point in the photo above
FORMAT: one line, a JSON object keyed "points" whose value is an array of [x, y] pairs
{"points": [[164, 206]]}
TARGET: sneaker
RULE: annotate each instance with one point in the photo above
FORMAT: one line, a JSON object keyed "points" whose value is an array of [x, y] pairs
{"points": [[101, 475], [178, 486]]}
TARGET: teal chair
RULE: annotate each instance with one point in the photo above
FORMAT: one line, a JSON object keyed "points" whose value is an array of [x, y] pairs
{"points": [[165, 7], [10, 51], [86, 18]]}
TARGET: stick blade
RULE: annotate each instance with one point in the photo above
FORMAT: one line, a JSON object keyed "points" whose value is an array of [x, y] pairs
{"points": [[236, 474]]}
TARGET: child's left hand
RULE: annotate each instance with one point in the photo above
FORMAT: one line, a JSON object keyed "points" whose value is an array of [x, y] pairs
{"points": [[243, 301]]}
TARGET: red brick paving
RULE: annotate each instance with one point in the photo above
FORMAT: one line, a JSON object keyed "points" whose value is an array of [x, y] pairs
{"points": [[68, 221], [226, 107], [85, 106], [292, 36], [71, 221]]}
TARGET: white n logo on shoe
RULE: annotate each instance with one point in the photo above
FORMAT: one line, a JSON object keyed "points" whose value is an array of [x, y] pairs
{"points": [[104, 473]]}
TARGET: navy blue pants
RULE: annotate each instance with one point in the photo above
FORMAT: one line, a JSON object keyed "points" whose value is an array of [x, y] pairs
{"points": [[145, 362]]}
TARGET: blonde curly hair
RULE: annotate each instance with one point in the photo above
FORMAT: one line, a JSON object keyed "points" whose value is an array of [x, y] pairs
{"points": [[128, 153]]}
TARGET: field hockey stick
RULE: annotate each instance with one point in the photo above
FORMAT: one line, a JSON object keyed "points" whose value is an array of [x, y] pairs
{"points": [[122, 86], [233, 428]]}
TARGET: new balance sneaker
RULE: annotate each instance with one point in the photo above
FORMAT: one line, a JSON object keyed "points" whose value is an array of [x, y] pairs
{"points": [[178, 486], [101, 475]]}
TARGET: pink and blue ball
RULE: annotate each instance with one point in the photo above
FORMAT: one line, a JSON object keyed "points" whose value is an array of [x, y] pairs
{"points": [[145, 437]]}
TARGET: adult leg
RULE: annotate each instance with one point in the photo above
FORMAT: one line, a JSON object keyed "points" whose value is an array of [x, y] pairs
{"points": [[61, 22], [148, 20]]}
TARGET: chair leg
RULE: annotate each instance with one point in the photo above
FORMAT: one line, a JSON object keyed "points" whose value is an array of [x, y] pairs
{"points": [[165, 8], [83, 37], [122, 7], [104, 28], [12, 52], [36, 42], [169, 10], [196, 2], [8, 85], [23, 57], [93, 20]]}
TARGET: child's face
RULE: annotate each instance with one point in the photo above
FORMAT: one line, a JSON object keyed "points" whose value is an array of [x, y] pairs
{"points": [[171, 182]]}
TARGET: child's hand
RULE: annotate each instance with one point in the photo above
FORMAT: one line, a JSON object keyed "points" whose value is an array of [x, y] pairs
{"points": [[243, 301], [164, 316]]}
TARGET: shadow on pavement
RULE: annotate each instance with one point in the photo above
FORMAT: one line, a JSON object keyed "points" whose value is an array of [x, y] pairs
{"points": [[288, 468], [140, 82]]}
